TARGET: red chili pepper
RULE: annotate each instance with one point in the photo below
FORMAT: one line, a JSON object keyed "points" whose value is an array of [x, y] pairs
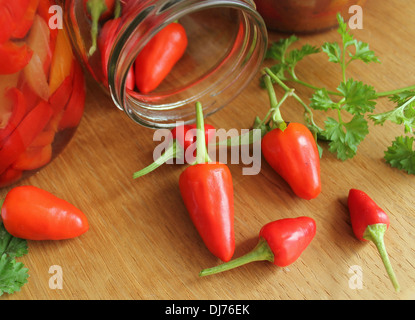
{"points": [[31, 213], [98, 10], [182, 138], [293, 154], [291, 150], [158, 57], [29, 128], [280, 242], [369, 223], [207, 192], [13, 57]]}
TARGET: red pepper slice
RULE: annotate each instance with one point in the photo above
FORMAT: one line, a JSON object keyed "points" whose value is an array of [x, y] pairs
{"points": [[158, 57], [13, 57], [207, 192], [28, 129], [369, 223], [11, 15], [31, 213], [61, 96], [183, 137], [26, 21], [17, 113], [280, 242], [33, 158], [105, 42], [10, 176], [74, 110]]}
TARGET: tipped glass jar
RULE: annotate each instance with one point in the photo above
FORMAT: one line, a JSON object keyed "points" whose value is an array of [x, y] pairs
{"points": [[225, 43], [42, 90]]}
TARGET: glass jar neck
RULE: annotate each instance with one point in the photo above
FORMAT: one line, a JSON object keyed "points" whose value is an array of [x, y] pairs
{"points": [[227, 42]]}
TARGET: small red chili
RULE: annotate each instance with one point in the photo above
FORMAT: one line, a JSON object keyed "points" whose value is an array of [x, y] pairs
{"points": [[32, 213], [291, 150], [207, 192], [280, 242], [293, 154], [158, 57], [369, 223]]}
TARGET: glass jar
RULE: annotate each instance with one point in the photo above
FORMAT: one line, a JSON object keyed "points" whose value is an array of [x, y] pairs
{"points": [[226, 44], [42, 89], [303, 16]]}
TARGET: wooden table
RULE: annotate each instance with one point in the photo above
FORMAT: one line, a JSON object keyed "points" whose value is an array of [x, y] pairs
{"points": [[142, 244]]}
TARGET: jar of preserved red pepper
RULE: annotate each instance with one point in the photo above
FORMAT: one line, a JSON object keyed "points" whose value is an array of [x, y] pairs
{"points": [[157, 58], [304, 16], [42, 89]]}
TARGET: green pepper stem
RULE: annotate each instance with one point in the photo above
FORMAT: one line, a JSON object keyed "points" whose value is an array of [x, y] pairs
{"points": [[117, 9], [202, 155], [173, 151], [95, 8], [375, 233], [261, 252], [275, 106]]}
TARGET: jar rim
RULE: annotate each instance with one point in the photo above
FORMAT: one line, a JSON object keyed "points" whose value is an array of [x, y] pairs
{"points": [[151, 110]]}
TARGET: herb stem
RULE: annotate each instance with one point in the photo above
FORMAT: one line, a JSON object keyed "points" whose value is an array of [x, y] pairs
{"points": [[294, 95], [396, 91]]}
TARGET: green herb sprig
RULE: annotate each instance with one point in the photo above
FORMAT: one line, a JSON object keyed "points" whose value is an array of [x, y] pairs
{"points": [[13, 274], [352, 101]]}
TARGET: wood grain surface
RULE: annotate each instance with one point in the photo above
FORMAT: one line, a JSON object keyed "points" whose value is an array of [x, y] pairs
{"points": [[142, 244]]}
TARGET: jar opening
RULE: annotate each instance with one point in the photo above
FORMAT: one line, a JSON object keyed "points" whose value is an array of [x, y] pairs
{"points": [[226, 46]]}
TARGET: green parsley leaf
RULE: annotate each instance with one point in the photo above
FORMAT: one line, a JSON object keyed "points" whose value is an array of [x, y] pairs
{"points": [[343, 30], [278, 49], [287, 60], [321, 100], [13, 275], [345, 137], [359, 97], [12, 246], [403, 114], [401, 154], [333, 51], [363, 53], [296, 55]]}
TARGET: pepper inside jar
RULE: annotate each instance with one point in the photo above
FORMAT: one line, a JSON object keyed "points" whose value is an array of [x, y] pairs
{"points": [[42, 89]]}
